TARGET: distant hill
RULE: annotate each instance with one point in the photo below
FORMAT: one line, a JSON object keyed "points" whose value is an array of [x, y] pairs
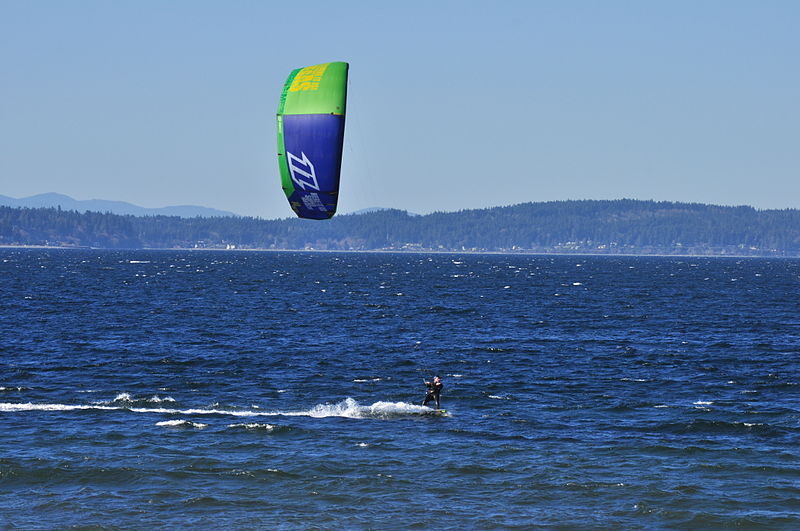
{"points": [[622, 226], [52, 200]]}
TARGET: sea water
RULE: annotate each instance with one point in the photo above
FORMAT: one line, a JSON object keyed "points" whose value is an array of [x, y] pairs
{"points": [[283, 390]]}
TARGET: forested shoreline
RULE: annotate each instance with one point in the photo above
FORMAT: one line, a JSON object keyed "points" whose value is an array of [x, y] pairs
{"points": [[605, 227]]}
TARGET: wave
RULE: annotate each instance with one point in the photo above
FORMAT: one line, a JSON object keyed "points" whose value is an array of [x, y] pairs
{"points": [[254, 426], [127, 400], [451, 310], [719, 427], [181, 424]]}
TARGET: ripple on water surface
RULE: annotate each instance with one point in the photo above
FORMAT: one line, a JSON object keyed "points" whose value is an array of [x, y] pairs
{"points": [[283, 390]]}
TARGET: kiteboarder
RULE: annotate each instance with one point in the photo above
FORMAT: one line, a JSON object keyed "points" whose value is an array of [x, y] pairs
{"points": [[433, 391]]}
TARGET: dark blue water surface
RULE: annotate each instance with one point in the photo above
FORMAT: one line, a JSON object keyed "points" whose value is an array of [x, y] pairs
{"points": [[271, 390]]}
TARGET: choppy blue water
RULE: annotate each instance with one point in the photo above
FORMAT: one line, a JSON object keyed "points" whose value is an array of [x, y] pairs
{"points": [[151, 389]]}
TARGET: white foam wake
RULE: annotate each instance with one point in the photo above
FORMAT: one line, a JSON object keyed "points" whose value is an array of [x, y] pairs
{"points": [[49, 407], [348, 408]]}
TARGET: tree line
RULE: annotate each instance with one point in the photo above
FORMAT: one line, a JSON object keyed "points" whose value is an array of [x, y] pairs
{"points": [[616, 226]]}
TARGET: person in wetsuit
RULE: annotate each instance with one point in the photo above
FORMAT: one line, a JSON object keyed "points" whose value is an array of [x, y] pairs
{"points": [[433, 391]]}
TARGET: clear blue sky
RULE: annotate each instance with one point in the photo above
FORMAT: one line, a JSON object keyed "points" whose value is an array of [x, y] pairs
{"points": [[452, 105]]}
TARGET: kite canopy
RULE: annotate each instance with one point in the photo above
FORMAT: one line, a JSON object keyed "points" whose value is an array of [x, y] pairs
{"points": [[310, 138]]}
